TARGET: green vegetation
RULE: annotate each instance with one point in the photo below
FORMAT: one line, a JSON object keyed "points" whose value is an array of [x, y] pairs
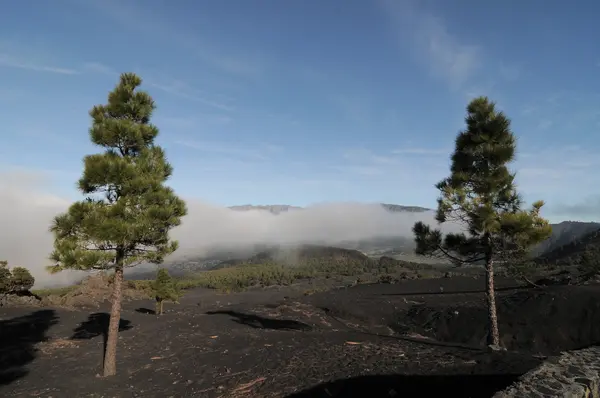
{"points": [[349, 263], [54, 291], [336, 264], [14, 281], [480, 193], [164, 288], [583, 252], [589, 261], [127, 212]]}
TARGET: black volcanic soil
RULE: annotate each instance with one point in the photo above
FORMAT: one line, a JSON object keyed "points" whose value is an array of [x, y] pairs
{"points": [[367, 340]]}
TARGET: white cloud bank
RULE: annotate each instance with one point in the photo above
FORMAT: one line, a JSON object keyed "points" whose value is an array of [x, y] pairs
{"points": [[26, 212]]}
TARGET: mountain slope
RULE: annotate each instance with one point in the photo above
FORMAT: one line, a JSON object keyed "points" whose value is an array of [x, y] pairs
{"points": [[275, 209], [302, 254], [323, 259], [571, 252], [564, 233], [278, 209], [399, 247]]}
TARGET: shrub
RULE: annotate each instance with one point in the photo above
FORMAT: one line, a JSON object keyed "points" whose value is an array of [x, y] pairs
{"points": [[22, 280], [164, 288], [15, 281]]}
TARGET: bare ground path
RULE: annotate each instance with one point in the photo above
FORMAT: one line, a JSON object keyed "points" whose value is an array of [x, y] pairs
{"points": [[273, 343]]}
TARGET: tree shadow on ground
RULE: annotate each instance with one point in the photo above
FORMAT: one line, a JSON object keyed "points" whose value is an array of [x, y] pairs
{"points": [[473, 386], [143, 310], [97, 325], [450, 292], [420, 340], [18, 339], [259, 322]]}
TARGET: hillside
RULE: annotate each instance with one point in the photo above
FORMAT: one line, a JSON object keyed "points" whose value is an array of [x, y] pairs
{"points": [[400, 208], [571, 253], [326, 260], [278, 209], [400, 247], [564, 233], [303, 254], [275, 209], [289, 341]]}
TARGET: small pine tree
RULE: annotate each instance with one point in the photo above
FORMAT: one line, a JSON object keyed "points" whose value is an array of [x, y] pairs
{"points": [[481, 195], [127, 213], [589, 263], [17, 280], [5, 278], [164, 288], [22, 280]]}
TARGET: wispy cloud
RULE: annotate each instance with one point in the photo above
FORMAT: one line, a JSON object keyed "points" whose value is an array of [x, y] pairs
{"points": [[11, 95], [510, 73], [174, 87], [447, 56], [273, 148], [10, 61], [354, 109], [359, 170], [390, 164], [480, 89], [545, 124], [551, 173], [588, 209], [422, 151], [557, 173], [563, 112], [184, 90], [97, 67], [138, 18], [199, 119], [262, 153], [42, 134], [177, 88]]}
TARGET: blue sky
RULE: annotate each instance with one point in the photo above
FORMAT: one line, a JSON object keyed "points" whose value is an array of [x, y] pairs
{"points": [[308, 101]]}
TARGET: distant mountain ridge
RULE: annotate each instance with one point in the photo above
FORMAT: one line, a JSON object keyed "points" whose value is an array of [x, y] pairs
{"points": [[573, 250], [275, 209], [565, 233], [568, 240], [278, 209]]}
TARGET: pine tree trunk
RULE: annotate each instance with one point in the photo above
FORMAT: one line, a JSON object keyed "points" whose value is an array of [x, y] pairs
{"points": [[110, 356], [494, 334], [161, 306], [157, 307]]}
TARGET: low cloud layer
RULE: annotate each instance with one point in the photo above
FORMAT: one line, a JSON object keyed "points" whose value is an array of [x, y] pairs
{"points": [[26, 212], [588, 209], [208, 226]]}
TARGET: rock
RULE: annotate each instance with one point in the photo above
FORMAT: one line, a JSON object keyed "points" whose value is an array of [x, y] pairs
{"points": [[495, 347], [17, 300], [573, 374], [386, 279], [93, 291]]}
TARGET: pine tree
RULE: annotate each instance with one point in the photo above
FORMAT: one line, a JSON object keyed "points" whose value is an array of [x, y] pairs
{"points": [[164, 288], [13, 281], [5, 278], [589, 263], [127, 212], [22, 280], [481, 195]]}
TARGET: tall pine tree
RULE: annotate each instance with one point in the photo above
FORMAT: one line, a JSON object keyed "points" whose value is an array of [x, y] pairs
{"points": [[480, 194], [127, 212]]}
